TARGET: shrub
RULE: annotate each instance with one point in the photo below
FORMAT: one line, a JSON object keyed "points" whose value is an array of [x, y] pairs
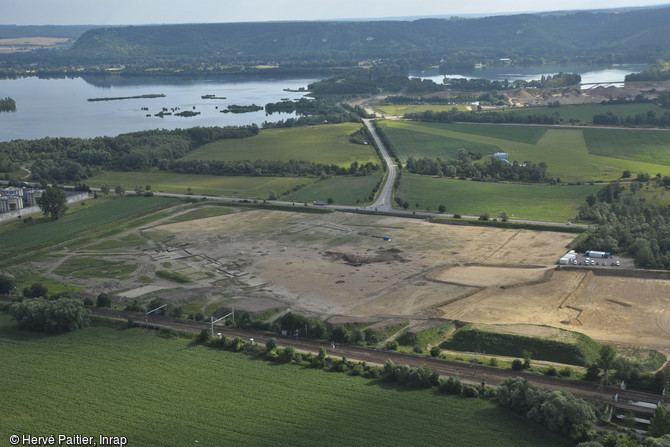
{"points": [[517, 364], [392, 345], [203, 337], [65, 314], [565, 371], [451, 386], [435, 351], [88, 301], [470, 391], [130, 322], [272, 355], [551, 371], [103, 300], [493, 361], [271, 344], [288, 354]]}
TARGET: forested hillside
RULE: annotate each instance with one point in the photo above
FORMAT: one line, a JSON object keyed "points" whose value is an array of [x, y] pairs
{"points": [[604, 35]]}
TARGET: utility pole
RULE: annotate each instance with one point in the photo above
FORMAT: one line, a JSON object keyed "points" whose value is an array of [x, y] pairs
{"points": [[146, 315]]}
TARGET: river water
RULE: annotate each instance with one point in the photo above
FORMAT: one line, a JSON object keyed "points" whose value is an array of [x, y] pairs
{"points": [[59, 107], [613, 74]]}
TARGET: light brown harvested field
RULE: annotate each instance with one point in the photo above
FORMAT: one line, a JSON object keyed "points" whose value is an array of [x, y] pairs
{"points": [[39, 41], [337, 265], [488, 275]]}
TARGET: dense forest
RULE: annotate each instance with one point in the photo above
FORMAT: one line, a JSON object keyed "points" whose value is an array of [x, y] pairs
{"points": [[605, 36], [627, 225]]}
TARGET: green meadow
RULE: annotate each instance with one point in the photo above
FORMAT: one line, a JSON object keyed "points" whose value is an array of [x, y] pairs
{"points": [[402, 109], [328, 144], [344, 190], [571, 154], [167, 392], [211, 185], [552, 203], [96, 215]]}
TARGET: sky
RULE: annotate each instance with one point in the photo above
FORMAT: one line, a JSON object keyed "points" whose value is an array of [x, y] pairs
{"points": [[134, 12]]}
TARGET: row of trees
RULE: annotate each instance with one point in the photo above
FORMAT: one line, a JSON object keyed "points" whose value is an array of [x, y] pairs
{"points": [[651, 118], [454, 115], [293, 168], [482, 85], [490, 170]]}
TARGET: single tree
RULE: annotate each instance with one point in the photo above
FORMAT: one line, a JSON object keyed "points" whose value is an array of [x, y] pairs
{"points": [[53, 202], [606, 360], [104, 300], [119, 190], [7, 284]]}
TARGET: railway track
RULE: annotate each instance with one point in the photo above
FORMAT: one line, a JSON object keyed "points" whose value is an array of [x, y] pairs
{"points": [[467, 373]]}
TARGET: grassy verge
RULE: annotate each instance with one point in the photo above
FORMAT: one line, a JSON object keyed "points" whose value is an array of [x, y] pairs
{"points": [[105, 214], [581, 350]]}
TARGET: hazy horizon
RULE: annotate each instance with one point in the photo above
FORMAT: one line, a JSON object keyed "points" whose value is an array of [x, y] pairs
{"points": [[153, 12]]}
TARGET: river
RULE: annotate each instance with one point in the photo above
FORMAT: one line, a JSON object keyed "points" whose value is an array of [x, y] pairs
{"points": [[613, 74], [60, 107]]}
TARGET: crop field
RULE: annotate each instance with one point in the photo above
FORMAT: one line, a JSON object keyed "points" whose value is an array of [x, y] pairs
{"points": [[344, 190], [328, 144], [648, 146], [18, 237], [159, 391], [402, 109], [584, 112], [522, 201], [211, 185], [566, 151]]}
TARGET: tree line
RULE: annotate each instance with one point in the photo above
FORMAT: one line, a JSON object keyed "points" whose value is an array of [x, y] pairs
{"points": [[59, 159], [293, 168], [478, 85], [454, 115], [488, 171]]}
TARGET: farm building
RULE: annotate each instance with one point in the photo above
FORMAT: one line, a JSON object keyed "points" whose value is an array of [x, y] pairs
{"points": [[501, 155]]}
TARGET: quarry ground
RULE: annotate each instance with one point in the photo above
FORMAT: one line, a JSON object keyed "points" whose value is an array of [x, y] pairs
{"points": [[337, 266]]}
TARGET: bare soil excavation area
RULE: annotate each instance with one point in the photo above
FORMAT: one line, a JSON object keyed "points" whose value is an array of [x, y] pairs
{"points": [[338, 266]]}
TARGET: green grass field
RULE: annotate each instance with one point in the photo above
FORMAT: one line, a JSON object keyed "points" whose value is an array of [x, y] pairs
{"points": [[18, 237], [157, 391], [519, 201], [402, 109], [571, 154], [211, 185], [327, 144], [344, 190]]}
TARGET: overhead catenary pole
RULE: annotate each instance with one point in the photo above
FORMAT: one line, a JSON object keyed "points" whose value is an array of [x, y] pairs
{"points": [[146, 315]]}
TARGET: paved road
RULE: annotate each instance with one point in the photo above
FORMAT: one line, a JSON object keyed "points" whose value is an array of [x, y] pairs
{"points": [[383, 202]]}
